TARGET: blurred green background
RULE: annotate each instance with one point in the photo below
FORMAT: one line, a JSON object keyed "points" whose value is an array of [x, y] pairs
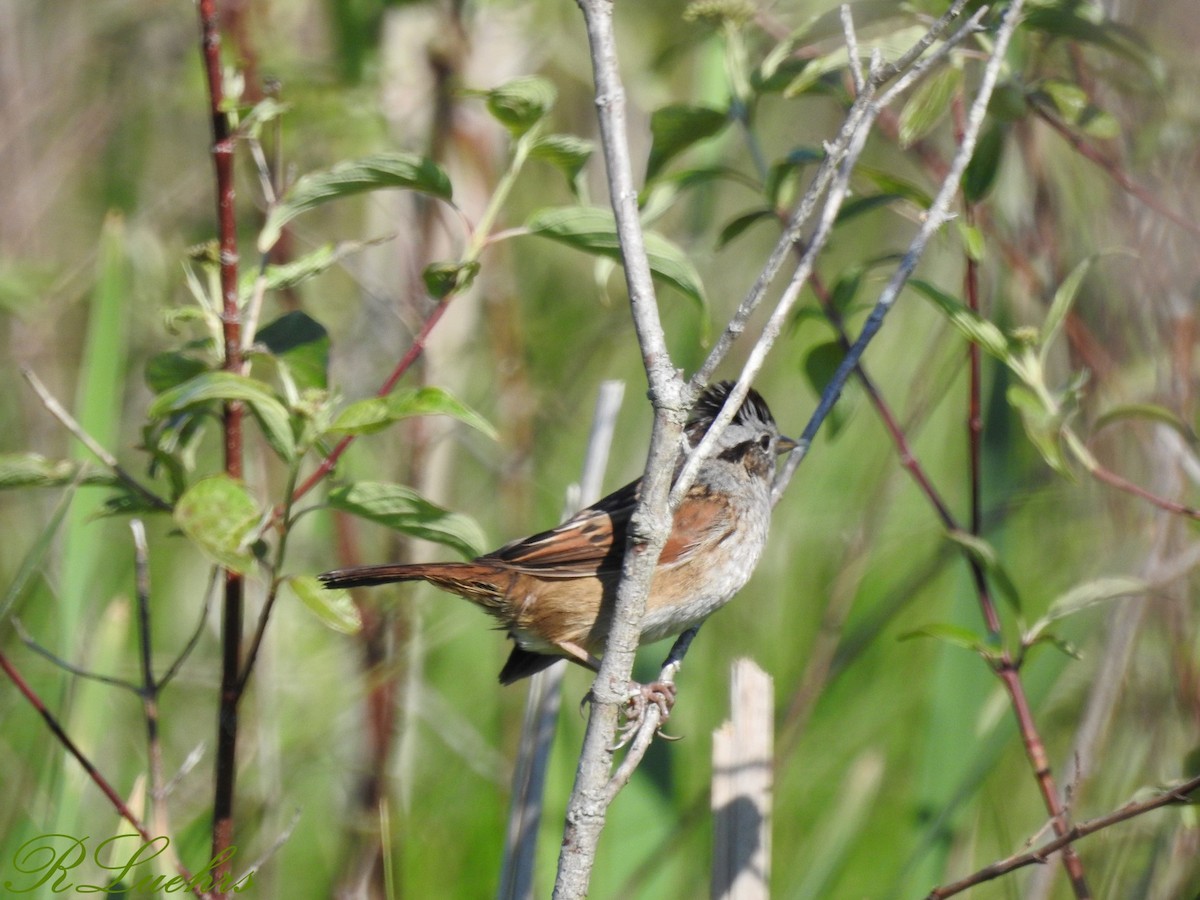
{"points": [[899, 765]]}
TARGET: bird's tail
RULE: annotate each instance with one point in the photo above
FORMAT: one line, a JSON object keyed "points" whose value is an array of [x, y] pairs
{"points": [[481, 584], [366, 576]]}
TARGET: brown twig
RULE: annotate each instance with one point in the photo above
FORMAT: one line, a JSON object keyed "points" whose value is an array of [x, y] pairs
{"points": [[1180, 794], [1111, 478], [93, 773], [1114, 171], [1006, 668]]}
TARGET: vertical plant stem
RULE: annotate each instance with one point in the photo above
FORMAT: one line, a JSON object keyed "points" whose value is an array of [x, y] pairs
{"points": [[233, 607], [1006, 667]]}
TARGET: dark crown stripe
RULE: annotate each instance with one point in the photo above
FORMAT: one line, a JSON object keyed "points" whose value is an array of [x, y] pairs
{"points": [[754, 409]]}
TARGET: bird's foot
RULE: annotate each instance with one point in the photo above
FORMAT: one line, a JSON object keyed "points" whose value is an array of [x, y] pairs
{"points": [[660, 694]]}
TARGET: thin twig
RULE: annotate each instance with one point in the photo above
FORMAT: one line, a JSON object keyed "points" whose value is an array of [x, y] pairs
{"points": [[59, 412], [150, 689], [175, 666], [1115, 172], [856, 69], [834, 177], [92, 772], [1180, 794], [937, 215]]}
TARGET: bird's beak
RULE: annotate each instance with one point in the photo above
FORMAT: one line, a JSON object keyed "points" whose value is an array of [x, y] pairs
{"points": [[785, 445]]}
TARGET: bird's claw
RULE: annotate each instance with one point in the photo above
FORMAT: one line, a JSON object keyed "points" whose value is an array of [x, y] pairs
{"points": [[641, 697]]}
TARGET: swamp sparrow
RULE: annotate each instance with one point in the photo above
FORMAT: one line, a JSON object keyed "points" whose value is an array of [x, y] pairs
{"points": [[554, 592]]}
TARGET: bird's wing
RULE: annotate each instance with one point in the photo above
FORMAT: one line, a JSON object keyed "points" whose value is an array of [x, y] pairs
{"points": [[592, 542]]}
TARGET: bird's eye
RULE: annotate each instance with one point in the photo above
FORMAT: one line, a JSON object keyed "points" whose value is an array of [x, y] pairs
{"points": [[765, 442]]}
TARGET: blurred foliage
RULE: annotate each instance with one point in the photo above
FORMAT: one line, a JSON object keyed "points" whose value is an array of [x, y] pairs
{"points": [[425, 154]]}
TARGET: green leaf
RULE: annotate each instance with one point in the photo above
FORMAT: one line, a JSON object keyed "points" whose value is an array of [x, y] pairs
{"points": [[1060, 644], [520, 104], [371, 173], [22, 470], [954, 635], [889, 183], [1084, 596], [1150, 411], [1064, 298], [403, 509], [738, 225], [1069, 100], [593, 230], [266, 110], [969, 323], [376, 413], [166, 370], [302, 343], [226, 386], [676, 127], [820, 364], [856, 207], [445, 278], [334, 608], [308, 266], [566, 152], [987, 557], [973, 240], [928, 104], [219, 515], [981, 171], [1008, 103], [1042, 426]]}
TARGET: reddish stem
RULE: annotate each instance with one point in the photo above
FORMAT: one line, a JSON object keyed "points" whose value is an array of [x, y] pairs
{"points": [[1115, 172], [233, 607], [1006, 668], [93, 773], [414, 351]]}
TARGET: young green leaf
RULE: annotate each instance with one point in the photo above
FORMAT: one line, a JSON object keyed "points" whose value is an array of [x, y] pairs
{"points": [[954, 635], [333, 608], [300, 270], [987, 557], [371, 173], [928, 104], [520, 104], [1149, 411], [226, 386], [1084, 596], [219, 515], [566, 152], [738, 225], [676, 127], [404, 510], [981, 171], [1042, 426], [445, 278], [376, 413], [972, 326], [21, 470], [171, 368], [1064, 297], [594, 231]]}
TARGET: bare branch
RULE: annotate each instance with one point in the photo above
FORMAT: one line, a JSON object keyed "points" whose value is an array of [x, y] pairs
{"points": [[1180, 794]]}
